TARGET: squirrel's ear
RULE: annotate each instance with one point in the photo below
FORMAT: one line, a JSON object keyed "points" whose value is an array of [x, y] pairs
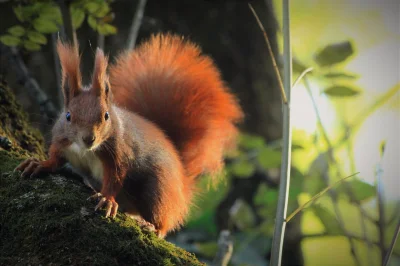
{"points": [[100, 84], [71, 75]]}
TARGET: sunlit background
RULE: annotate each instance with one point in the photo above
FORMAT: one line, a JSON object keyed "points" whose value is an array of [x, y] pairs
{"points": [[345, 115], [374, 28]]}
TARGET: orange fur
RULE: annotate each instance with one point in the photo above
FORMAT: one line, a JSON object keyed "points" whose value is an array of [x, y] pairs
{"points": [[71, 75], [100, 78], [177, 120], [168, 81]]}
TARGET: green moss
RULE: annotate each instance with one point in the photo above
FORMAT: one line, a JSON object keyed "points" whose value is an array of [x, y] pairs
{"points": [[49, 221], [25, 140]]}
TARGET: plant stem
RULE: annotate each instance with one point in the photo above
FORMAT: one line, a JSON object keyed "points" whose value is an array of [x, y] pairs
{"points": [[392, 244], [381, 211], [271, 53], [137, 21], [333, 161], [280, 224], [317, 196]]}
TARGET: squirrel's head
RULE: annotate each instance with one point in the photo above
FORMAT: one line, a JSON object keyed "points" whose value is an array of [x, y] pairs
{"points": [[87, 114]]}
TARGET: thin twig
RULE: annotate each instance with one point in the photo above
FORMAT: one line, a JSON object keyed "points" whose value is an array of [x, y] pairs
{"points": [[30, 84], [318, 195], [326, 177], [392, 244], [363, 213], [301, 76], [271, 53], [225, 249], [281, 212], [137, 21], [394, 214], [381, 210]]}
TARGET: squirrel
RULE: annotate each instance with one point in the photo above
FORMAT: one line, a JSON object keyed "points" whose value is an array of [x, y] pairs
{"points": [[145, 129]]}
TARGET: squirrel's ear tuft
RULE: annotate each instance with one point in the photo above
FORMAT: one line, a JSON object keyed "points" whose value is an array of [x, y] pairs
{"points": [[100, 78], [71, 74]]}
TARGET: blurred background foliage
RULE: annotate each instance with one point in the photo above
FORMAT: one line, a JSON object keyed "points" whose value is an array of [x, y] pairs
{"points": [[345, 116]]}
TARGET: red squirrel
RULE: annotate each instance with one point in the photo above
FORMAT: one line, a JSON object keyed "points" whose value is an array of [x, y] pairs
{"points": [[143, 133]]}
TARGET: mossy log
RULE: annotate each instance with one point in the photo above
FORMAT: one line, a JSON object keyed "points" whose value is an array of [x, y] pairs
{"points": [[48, 221]]}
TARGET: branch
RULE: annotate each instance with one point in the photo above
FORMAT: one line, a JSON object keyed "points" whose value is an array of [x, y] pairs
{"points": [[281, 212], [381, 210], [394, 214], [30, 84], [271, 53], [392, 244], [136, 22], [317, 196], [225, 249]]}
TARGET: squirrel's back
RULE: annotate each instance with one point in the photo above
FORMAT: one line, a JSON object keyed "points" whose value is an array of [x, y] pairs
{"points": [[168, 81]]}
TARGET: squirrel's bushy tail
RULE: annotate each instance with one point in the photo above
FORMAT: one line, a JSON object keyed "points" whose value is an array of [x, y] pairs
{"points": [[168, 81]]}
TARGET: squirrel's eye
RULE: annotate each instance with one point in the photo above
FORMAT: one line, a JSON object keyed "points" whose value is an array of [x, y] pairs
{"points": [[106, 116], [68, 116]]}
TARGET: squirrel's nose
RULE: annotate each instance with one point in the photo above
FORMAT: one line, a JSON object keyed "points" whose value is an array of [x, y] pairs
{"points": [[88, 140]]}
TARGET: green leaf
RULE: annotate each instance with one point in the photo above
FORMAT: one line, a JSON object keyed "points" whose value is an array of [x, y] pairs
{"points": [[106, 29], [31, 46], [341, 75], [242, 168], [19, 13], [250, 142], [92, 22], [334, 53], [265, 195], [269, 158], [51, 12], [92, 7], [37, 37], [103, 10], [44, 25], [330, 222], [360, 190], [10, 40], [341, 91], [77, 16], [17, 31]]}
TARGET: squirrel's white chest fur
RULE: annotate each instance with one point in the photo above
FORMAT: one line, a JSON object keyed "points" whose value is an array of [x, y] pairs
{"points": [[84, 161]]}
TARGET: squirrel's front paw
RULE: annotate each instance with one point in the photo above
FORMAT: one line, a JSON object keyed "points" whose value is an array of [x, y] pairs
{"points": [[109, 202], [30, 166]]}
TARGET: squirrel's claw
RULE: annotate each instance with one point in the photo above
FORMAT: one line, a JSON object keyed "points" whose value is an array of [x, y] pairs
{"points": [[109, 202], [30, 166]]}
